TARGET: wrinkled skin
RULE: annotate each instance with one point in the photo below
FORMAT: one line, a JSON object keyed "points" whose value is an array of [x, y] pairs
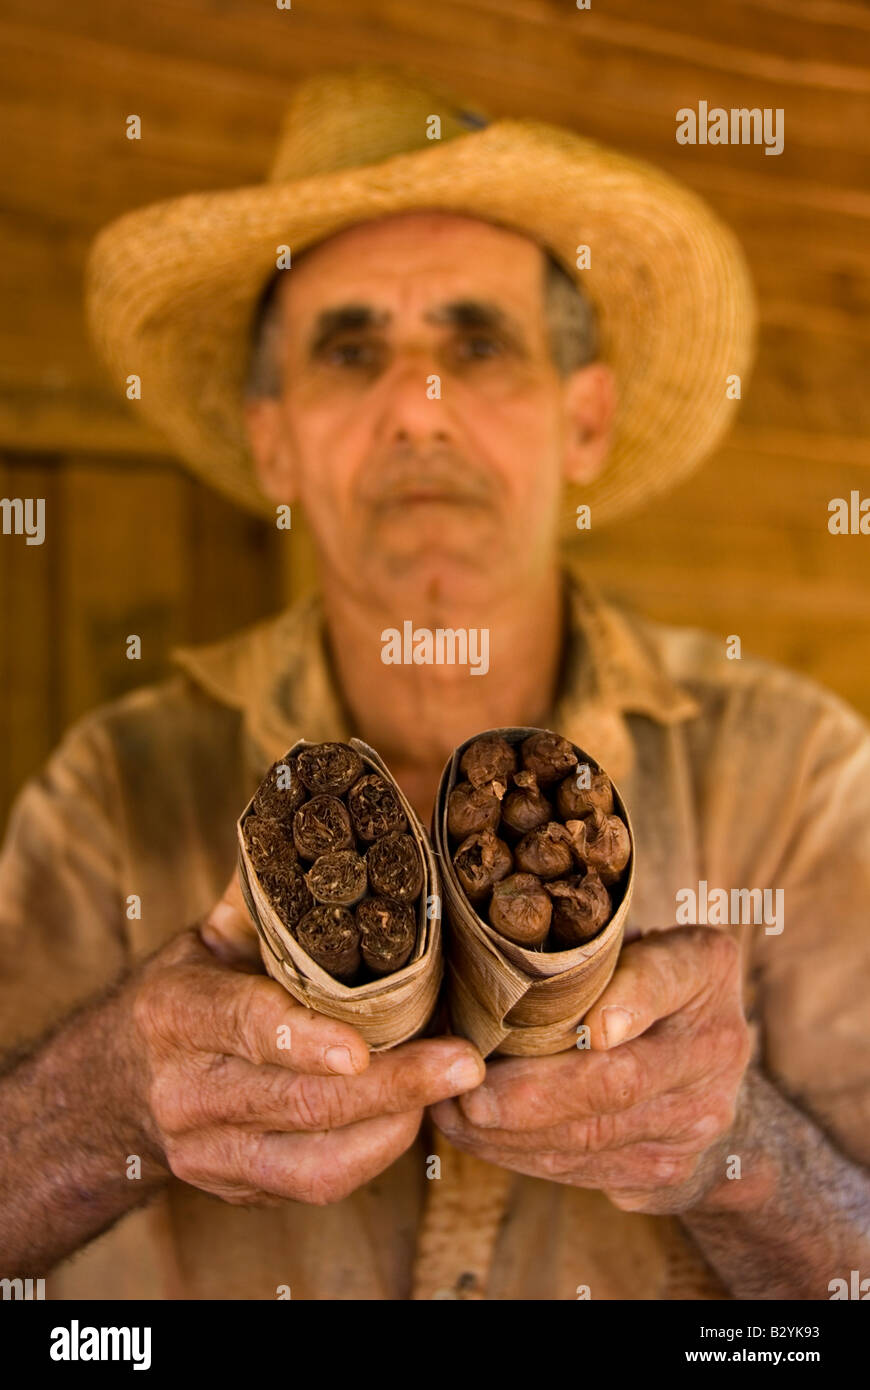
{"points": [[643, 1113]]}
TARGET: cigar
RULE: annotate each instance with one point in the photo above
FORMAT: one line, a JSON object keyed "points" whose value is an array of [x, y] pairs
{"points": [[338, 879], [395, 869], [472, 809], [288, 893], [480, 862], [388, 931], [487, 761], [526, 807], [332, 939], [321, 825], [581, 907], [545, 851], [329, 768], [607, 846], [576, 801], [281, 792], [520, 909], [375, 809], [548, 756], [269, 842]]}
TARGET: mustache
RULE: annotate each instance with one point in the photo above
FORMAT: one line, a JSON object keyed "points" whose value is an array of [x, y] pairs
{"points": [[444, 473]]}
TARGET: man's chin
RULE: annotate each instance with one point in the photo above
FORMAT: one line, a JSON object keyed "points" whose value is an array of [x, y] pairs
{"points": [[435, 572]]}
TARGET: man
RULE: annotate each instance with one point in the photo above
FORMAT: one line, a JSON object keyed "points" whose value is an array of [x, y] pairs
{"points": [[412, 387]]}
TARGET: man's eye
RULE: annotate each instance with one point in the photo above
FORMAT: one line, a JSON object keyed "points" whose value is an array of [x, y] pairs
{"points": [[480, 347], [351, 355]]}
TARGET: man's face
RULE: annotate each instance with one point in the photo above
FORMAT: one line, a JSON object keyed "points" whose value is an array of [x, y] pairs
{"points": [[422, 423]]}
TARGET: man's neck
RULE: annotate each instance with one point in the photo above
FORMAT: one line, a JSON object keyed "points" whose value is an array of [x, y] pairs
{"points": [[415, 714]]}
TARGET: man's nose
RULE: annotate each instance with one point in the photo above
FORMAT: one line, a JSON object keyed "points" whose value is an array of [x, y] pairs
{"points": [[412, 404]]}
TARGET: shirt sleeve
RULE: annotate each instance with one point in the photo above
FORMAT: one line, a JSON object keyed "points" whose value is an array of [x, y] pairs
{"points": [[62, 913], [813, 977]]}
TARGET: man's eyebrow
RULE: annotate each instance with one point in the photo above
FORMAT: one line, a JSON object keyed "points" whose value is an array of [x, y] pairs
{"points": [[346, 318], [476, 313], [458, 313]]}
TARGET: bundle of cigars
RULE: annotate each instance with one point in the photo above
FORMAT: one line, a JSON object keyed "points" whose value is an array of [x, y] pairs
{"points": [[535, 848], [342, 886], [532, 850]]}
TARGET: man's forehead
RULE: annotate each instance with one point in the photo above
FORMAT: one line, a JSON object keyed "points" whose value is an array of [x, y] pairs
{"points": [[448, 268]]}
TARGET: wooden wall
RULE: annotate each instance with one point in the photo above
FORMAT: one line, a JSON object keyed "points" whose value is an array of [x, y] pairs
{"points": [[741, 548]]}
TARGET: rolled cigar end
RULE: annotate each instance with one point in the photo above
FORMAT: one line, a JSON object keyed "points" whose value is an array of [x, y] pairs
{"points": [[374, 807], [395, 868], [269, 842], [549, 756], [487, 760], [576, 832], [288, 893], [526, 807], [281, 792], [388, 931], [480, 862], [608, 845], [575, 800], [338, 879], [520, 909], [472, 809], [332, 939], [321, 826], [581, 907], [329, 768], [545, 851]]}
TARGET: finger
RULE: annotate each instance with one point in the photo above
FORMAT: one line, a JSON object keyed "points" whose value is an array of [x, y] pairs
{"points": [[685, 1120], [226, 1013], [638, 1165], [406, 1078], [664, 973], [531, 1093], [241, 1166], [228, 931]]}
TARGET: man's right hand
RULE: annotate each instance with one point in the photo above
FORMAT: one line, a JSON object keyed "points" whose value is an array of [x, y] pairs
{"points": [[230, 1108]]}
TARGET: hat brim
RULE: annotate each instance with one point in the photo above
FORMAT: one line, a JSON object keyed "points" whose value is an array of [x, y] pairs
{"points": [[171, 289]]}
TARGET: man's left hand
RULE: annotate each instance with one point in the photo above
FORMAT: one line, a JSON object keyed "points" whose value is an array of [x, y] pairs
{"points": [[645, 1113]]}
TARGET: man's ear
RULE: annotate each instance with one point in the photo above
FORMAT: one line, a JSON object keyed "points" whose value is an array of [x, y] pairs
{"points": [[270, 448], [589, 403]]}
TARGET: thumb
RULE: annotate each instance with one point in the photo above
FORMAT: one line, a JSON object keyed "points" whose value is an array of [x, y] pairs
{"points": [[228, 931]]}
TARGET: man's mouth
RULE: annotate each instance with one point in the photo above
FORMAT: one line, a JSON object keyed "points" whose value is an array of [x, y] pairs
{"points": [[423, 496]]}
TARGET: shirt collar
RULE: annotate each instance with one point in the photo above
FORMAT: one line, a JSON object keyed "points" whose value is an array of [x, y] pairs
{"points": [[278, 674]]}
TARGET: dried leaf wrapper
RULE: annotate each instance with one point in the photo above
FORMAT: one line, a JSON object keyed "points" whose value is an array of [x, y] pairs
{"points": [[517, 999], [396, 954]]}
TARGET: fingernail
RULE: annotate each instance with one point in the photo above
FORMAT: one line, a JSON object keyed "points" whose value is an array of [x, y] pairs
{"points": [[616, 1024], [225, 917], [211, 939], [481, 1107], [338, 1059], [462, 1073]]}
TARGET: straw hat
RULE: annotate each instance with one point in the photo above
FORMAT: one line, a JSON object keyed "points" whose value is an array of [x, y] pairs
{"points": [[171, 288]]}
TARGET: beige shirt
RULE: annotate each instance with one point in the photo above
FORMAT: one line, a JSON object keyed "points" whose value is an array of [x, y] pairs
{"points": [[736, 772]]}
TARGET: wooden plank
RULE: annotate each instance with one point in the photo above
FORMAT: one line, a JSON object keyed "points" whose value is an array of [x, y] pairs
{"points": [[124, 573], [233, 566], [743, 547], [29, 633]]}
